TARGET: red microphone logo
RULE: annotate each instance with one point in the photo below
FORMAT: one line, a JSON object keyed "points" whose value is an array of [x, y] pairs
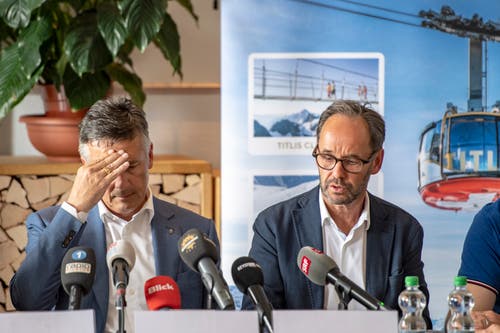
{"points": [[160, 287], [305, 264]]}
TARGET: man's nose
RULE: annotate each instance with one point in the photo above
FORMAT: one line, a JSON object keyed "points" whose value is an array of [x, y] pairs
{"points": [[119, 180], [338, 170]]}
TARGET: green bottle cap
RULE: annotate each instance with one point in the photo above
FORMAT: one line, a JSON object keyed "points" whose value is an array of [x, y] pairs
{"points": [[460, 281], [411, 281]]}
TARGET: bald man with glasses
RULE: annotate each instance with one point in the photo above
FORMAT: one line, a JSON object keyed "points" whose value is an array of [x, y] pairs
{"points": [[374, 243]]}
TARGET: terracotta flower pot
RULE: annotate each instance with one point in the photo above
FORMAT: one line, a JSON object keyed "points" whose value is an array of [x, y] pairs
{"points": [[55, 134]]}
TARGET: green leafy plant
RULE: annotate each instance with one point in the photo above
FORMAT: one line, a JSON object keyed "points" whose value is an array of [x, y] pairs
{"points": [[81, 45]]}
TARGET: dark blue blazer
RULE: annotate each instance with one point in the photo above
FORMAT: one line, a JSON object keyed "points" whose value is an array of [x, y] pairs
{"points": [[393, 251], [52, 231]]}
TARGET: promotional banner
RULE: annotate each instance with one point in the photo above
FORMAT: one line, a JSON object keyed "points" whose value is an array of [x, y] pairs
{"points": [[429, 67]]}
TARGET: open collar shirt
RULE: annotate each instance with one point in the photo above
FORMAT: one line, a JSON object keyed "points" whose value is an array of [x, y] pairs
{"points": [[348, 251], [137, 231]]}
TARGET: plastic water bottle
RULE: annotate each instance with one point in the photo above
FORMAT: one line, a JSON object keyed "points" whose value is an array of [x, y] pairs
{"points": [[412, 302], [460, 302]]}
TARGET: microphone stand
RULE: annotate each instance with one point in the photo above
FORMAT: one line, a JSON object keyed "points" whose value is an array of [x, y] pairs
{"points": [[120, 304], [75, 295], [209, 286], [264, 322], [209, 301], [344, 296]]}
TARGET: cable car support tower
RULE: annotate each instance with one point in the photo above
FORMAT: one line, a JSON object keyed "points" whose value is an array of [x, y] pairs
{"points": [[458, 162]]}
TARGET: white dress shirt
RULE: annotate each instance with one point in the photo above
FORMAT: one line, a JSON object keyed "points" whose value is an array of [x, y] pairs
{"points": [[138, 232], [348, 251]]}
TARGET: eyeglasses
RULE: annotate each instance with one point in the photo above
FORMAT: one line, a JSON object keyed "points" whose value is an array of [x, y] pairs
{"points": [[351, 165]]}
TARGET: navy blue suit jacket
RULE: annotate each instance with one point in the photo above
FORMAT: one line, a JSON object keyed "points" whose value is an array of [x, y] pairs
{"points": [[52, 231], [393, 251]]}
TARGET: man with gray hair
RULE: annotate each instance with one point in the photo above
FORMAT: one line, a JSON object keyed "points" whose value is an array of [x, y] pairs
{"points": [[110, 201], [374, 243]]}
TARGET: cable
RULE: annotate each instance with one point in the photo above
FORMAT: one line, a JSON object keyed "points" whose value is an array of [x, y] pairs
{"points": [[339, 68], [357, 12], [380, 8]]}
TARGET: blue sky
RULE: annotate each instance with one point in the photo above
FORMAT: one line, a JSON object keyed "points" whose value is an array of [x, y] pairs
{"points": [[424, 69]]}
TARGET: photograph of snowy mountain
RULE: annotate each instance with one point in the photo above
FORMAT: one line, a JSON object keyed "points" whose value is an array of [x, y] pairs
{"points": [[271, 189], [302, 123]]}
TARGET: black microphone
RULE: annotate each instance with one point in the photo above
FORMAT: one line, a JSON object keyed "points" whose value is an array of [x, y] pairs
{"points": [[200, 254], [77, 274], [121, 260], [320, 269], [248, 277]]}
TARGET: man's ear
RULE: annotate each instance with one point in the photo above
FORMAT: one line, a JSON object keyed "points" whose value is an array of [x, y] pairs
{"points": [[377, 162], [150, 155]]}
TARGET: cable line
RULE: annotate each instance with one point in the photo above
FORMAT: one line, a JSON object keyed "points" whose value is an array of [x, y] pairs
{"points": [[356, 12]]}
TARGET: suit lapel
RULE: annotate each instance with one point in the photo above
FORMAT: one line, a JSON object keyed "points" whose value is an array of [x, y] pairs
{"points": [[308, 231], [307, 221], [378, 248], [165, 235], [95, 238]]}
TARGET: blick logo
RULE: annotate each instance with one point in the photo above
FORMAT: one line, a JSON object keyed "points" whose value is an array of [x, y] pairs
{"points": [[159, 287]]}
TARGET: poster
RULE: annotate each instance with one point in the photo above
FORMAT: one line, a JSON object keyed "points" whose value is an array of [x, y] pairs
{"points": [[421, 73]]}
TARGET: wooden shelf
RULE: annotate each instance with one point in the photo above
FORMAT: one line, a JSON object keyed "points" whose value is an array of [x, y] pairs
{"points": [[182, 86], [177, 87], [39, 165]]}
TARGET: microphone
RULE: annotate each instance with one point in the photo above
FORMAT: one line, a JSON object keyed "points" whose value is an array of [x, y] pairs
{"points": [[249, 279], [162, 293], [121, 260], [321, 269], [77, 274], [200, 254]]}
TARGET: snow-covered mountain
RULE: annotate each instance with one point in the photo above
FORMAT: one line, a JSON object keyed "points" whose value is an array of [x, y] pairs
{"points": [[303, 123], [268, 192]]}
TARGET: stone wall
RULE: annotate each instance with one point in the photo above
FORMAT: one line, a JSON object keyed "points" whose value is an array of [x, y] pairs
{"points": [[23, 194]]}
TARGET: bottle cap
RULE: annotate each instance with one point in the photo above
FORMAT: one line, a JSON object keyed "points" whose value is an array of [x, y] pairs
{"points": [[411, 281], [460, 281]]}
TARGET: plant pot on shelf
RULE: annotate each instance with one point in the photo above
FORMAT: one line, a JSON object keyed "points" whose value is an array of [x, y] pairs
{"points": [[55, 134]]}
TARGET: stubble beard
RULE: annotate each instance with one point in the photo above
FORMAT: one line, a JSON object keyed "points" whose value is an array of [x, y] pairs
{"points": [[351, 194]]}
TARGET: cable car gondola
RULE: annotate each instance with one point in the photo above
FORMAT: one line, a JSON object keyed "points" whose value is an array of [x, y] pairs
{"points": [[458, 161]]}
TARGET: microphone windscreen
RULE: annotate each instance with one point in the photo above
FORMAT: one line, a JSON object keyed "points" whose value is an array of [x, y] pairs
{"points": [[121, 249], [78, 268], [315, 264], [194, 245], [162, 292], [246, 272]]}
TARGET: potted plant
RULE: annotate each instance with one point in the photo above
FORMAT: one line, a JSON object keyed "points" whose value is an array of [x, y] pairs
{"points": [[81, 46]]}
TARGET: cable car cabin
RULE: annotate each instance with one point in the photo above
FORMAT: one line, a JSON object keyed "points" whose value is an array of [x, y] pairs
{"points": [[458, 161]]}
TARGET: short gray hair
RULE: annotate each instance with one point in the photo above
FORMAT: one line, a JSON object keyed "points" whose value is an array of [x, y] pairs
{"points": [[350, 108], [113, 119]]}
